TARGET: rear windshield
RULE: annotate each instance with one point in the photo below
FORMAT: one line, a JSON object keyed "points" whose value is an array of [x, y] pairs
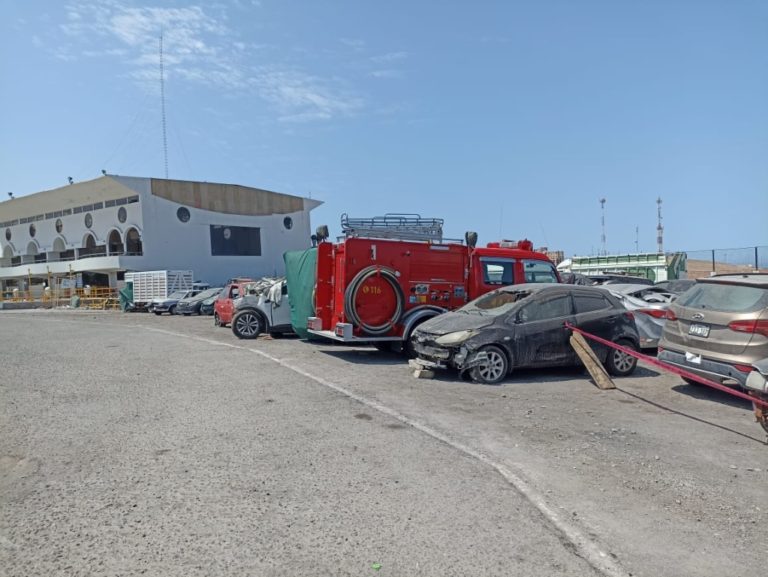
{"points": [[724, 297]]}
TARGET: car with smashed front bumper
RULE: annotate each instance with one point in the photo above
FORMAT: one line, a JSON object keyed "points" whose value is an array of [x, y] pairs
{"points": [[525, 326]]}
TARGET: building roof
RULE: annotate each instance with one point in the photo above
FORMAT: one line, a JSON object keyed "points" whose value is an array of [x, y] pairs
{"points": [[227, 198]]}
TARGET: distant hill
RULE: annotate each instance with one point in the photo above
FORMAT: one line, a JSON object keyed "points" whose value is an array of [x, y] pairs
{"points": [[703, 268]]}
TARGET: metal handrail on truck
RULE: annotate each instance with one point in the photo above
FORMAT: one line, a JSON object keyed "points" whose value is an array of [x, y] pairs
{"points": [[394, 225]]}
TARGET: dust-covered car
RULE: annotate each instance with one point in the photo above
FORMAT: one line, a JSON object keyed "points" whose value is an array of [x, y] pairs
{"points": [[718, 328], [192, 305], [524, 326], [649, 305]]}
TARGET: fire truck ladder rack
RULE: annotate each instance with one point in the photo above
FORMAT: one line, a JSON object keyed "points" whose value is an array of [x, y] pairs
{"points": [[394, 225]]}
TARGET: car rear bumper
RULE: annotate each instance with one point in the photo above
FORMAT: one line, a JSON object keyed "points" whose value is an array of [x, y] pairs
{"points": [[709, 369]]}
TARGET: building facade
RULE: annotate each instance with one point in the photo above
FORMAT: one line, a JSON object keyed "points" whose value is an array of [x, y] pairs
{"points": [[97, 230]]}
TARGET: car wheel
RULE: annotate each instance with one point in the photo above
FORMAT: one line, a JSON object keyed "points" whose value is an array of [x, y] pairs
{"points": [[493, 369], [217, 320], [619, 363], [247, 325], [172, 311]]}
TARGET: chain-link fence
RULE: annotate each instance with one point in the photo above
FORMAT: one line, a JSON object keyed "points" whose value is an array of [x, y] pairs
{"points": [[726, 260]]}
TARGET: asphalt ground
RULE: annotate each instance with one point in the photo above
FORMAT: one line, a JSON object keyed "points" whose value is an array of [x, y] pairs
{"points": [[133, 444]]}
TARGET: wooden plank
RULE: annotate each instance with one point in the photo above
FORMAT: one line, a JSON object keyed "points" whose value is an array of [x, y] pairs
{"points": [[591, 362]]}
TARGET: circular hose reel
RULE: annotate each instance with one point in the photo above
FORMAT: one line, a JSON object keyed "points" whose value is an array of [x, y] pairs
{"points": [[352, 291]]}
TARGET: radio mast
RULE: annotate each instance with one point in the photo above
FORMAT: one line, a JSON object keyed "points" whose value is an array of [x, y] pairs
{"points": [[602, 222], [659, 230], [162, 106]]}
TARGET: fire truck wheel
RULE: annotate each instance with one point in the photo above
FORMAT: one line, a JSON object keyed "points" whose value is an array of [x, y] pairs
{"points": [[493, 369], [247, 325]]}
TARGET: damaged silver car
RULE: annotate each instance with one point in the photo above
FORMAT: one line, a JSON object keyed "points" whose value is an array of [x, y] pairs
{"points": [[524, 326]]}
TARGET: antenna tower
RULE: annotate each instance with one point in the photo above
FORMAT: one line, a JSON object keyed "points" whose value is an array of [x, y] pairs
{"points": [[162, 105], [602, 222], [659, 230]]}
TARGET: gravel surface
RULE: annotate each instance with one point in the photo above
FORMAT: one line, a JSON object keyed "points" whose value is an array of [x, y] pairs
{"points": [[133, 444]]}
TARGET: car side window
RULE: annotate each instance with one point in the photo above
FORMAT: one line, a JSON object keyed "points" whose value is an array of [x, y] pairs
{"points": [[234, 292], [589, 303], [550, 309]]}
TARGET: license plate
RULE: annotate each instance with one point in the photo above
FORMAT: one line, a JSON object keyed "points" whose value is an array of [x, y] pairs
{"points": [[699, 330]]}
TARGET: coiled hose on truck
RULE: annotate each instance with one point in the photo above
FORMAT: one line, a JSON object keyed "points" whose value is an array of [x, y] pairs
{"points": [[351, 294]]}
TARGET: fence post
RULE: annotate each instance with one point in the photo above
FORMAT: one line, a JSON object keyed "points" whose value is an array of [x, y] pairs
{"points": [[713, 261]]}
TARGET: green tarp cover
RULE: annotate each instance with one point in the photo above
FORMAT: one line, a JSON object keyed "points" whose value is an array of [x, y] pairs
{"points": [[126, 297], [300, 273]]}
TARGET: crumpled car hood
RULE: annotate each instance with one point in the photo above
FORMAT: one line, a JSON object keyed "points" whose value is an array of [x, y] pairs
{"points": [[453, 321]]}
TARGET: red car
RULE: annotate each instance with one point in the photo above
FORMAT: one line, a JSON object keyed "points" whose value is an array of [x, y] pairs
{"points": [[223, 308]]}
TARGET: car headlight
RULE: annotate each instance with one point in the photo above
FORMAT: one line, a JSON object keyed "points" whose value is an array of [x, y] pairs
{"points": [[454, 338]]}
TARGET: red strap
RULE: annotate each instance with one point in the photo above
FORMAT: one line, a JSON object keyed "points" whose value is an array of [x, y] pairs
{"points": [[672, 369]]}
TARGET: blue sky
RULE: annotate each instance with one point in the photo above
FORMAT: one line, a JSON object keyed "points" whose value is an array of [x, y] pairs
{"points": [[508, 118]]}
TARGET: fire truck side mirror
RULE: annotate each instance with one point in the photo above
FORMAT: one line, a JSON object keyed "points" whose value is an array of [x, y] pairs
{"points": [[471, 238], [322, 232]]}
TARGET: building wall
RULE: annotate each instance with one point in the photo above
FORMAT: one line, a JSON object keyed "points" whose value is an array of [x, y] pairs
{"points": [[167, 242], [172, 244]]}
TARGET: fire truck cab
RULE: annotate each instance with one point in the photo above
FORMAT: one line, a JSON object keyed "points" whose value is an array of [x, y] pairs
{"points": [[389, 274]]}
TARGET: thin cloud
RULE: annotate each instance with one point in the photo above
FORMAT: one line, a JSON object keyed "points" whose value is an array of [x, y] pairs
{"points": [[199, 48], [387, 74], [389, 57]]}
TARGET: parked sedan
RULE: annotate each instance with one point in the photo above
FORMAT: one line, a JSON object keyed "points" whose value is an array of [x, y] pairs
{"points": [[206, 307], [192, 305], [718, 328], [649, 305], [169, 303], [523, 326]]}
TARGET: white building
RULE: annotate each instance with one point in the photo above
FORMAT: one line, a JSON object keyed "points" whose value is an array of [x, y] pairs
{"points": [[102, 228]]}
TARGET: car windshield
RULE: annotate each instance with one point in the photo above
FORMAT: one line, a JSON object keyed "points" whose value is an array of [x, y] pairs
{"points": [[177, 295], [724, 297], [208, 294], [495, 303], [539, 271]]}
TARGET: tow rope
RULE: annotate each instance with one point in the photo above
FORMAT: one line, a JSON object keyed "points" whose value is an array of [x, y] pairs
{"points": [[670, 368]]}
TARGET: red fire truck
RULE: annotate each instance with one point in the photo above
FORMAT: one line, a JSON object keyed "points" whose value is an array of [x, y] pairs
{"points": [[389, 274]]}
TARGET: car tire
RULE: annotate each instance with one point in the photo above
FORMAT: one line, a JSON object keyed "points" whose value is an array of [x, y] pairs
{"points": [[247, 325], [619, 363], [217, 320], [172, 310], [158, 313], [494, 370]]}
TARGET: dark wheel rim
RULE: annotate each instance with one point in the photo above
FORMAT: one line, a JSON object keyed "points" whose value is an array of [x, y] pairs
{"points": [[248, 325], [493, 368]]}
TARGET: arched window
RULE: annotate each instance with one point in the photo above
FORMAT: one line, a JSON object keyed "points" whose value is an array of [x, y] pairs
{"points": [[133, 242], [32, 248], [115, 243], [59, 246]]}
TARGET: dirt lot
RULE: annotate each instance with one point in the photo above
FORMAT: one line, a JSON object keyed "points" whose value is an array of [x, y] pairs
{"points": [[133, 444]]}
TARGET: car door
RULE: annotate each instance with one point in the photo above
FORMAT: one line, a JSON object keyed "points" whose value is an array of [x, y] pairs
{"points": [[541, 337], [597, 315]]}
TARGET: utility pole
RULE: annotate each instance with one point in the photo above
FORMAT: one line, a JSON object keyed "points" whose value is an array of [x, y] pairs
{"points": [[602, 222]]}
